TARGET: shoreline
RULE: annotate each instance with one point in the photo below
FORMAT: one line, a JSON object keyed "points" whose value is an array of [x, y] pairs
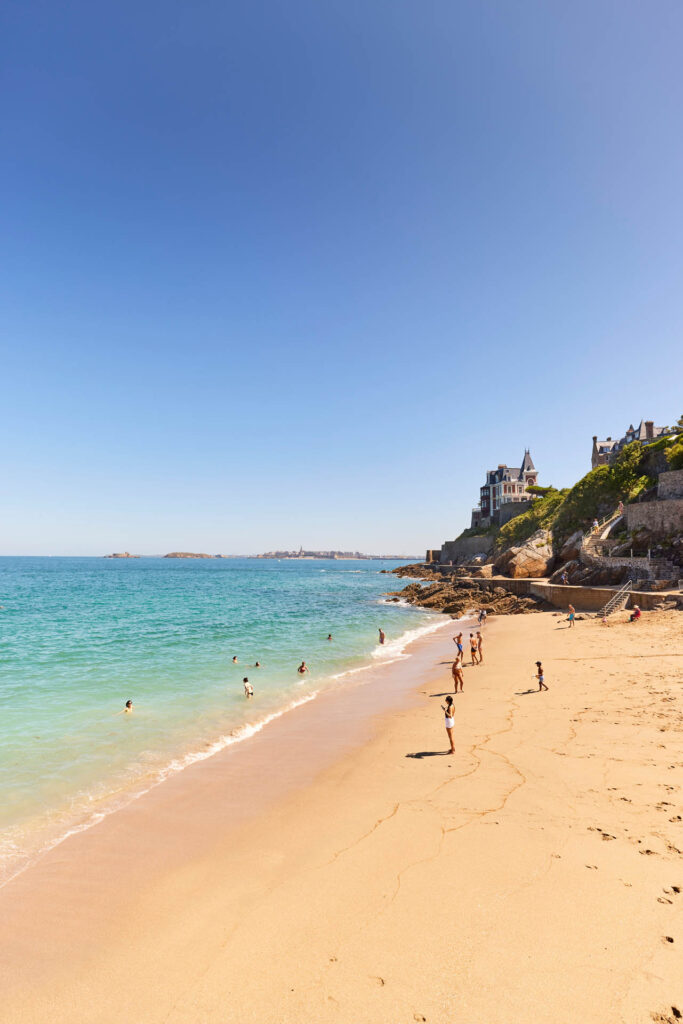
{"points": [[120, 798], [396, 882]]}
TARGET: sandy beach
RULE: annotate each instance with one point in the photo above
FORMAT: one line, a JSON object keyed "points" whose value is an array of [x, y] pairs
{"points": [[343, 867]]}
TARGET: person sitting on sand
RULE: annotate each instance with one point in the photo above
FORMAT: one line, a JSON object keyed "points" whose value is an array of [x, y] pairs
{"points": [[303, 668], [449, 721], [572, 615], [635, 614], [480, 641], [248, 688], [473, 648], [540, 677], [458, 675], [382, 637]]}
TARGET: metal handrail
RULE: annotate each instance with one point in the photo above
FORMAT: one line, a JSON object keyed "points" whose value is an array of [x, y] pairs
{"points": [[593, 532], [615, 599]]}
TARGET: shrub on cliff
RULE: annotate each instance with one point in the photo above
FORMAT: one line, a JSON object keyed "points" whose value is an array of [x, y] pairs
{"points": [[674, 455], [539, 516]]}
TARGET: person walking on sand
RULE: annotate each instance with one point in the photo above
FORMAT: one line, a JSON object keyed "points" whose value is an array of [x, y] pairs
{"points": [[457, 640], [458, 675], [248, 688], [303, 668], [473, 648], [540, 677], [382, 637], [572, 615], [480, 641], [449, 721]]}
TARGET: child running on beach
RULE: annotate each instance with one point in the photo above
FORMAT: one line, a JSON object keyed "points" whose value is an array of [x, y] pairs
{"points": [[449, 721], [458, 675], [540, 677]]}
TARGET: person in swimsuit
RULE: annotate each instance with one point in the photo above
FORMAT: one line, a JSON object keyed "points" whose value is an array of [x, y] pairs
{"points": [[449, 721], [257, 665], [458, 676], [572, 613], [540, 677], [483, 616], [480, 641], [381, 636], [457, 640], [473, 648], [329, 636], [248, 688], [234, 660], [127, 710], [303, 668]]}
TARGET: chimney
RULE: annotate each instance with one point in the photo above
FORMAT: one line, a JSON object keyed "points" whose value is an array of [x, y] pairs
{"points": [[609, 438], [595, 438], [649, 429]]}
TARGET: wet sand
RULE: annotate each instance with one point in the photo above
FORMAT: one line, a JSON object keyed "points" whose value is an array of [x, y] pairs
{"points": [[342, 866]]}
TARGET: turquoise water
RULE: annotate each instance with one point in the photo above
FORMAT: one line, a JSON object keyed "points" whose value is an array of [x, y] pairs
{"points": [[80, 636]]}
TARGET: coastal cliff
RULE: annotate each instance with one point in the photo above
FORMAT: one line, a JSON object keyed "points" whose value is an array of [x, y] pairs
{"points": [[122, 554]]}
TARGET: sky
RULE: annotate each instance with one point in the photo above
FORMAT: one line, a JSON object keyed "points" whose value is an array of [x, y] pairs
{"points": [[297, 273]]}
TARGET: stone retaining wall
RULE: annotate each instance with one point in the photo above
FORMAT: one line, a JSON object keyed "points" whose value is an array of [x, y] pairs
{"points": [[466, 547], [670, 485], [658, 516], [587, 599]]}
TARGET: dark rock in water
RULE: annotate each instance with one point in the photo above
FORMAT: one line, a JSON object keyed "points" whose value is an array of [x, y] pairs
{"points": [[448, 593], [186, 554]]}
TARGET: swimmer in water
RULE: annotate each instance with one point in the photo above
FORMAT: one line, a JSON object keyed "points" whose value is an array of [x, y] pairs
{"points": [[234, 660], [381, 636], [303, 668], [128, 709], [248, 688], [257, 665], [329, 636]]}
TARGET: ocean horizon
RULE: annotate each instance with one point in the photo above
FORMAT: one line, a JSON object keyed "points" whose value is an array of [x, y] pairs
{"points": [[81, 635]]}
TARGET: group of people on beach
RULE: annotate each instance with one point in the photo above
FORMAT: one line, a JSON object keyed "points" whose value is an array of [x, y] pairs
{"points": [[477, 656]]}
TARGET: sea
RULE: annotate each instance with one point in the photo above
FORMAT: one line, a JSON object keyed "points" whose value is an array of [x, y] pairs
{"points": [[81, 636]]}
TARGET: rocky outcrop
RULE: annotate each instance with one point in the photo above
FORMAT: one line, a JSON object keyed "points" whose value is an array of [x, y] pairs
{"points": [[532, 558], [571, 547], [452, 595], [122, 554], [186, 554]]}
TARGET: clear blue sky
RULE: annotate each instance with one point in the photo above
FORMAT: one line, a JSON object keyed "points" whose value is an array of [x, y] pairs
{"points": [[280, 273]]}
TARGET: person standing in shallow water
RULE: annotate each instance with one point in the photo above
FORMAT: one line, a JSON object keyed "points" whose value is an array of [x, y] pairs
{"points": [[382, 637], [248, 688], [303, 668], [449, 721]]}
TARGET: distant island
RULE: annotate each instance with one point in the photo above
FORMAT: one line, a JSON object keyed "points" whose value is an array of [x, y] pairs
{"points": [[122, 554], [188, 554], [339, 555]]}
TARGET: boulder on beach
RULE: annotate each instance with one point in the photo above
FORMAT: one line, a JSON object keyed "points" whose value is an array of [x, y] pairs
{"points": [[532, 558]]}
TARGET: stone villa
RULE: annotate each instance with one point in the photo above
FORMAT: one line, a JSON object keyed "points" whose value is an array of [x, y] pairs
{"points": [[505, 488], [605, 452]]}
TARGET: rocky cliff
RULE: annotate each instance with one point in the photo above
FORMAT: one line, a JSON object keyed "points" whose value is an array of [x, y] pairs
{"points": [[186, 554]]}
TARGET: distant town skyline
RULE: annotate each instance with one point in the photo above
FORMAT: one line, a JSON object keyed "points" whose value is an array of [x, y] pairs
{"points": [[306, 272]]}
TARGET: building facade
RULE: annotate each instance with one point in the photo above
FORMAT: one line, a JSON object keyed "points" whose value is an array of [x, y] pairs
{"points": [[605, 452], [504, 486]]}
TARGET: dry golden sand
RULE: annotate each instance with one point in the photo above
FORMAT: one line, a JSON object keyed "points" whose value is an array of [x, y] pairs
{"points": [[534, 876]]}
